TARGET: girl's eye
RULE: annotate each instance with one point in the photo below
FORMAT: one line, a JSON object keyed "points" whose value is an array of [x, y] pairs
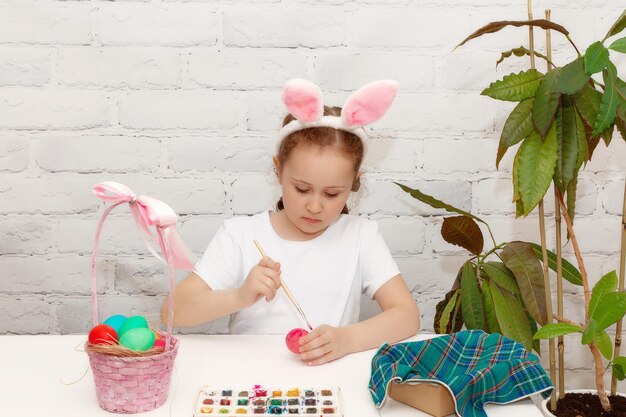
{"points": [[332, 195], [300, 190]]}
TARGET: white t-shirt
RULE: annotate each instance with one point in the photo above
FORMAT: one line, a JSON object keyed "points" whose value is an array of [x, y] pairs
{"points": [[326, 275]]}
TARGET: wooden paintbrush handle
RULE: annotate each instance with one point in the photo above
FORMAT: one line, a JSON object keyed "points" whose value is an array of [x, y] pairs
{"points": [[285, 288]]}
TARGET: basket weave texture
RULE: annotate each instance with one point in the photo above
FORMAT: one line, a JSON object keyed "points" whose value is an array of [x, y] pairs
{"points": [[132, 384]]}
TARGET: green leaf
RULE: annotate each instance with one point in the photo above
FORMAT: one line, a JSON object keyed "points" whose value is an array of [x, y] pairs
{"points": [[511, 318], [620, 89], [550, 331], [608, 106], [572, 77], [471, 300], [501, 275], [607, 134], [604, 344], [618, 46], [433, 202], [596, 58], [546, 103], [589, 335], [618, 26], [571, 200], [569, 271], [587, 101], [444, 317], [610, 309], [518, 126], [457, 317], [515, 175], [570, 133], [464, 232], [519, 207], [520, 258], [581, 134], [490, 309], [607, 284], [521, 51], [537, 160], [515, 87], [619, 366]]}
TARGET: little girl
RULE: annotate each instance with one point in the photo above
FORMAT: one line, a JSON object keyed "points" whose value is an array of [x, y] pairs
{"points": [[328, 258]]}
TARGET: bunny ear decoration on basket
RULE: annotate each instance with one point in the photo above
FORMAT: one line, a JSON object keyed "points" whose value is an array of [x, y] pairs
{"points": [[147, 212], [303, 100]]}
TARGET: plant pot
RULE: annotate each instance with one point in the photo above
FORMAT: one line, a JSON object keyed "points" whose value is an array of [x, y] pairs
{"points": [[544, 403]]}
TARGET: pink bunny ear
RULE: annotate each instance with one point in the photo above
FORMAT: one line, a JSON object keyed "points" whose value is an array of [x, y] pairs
{"points": [[303, 100], [369, 103]]}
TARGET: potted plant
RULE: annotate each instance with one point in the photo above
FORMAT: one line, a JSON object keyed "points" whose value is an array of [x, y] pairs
{"points": [[559, 119], [500, 290]]}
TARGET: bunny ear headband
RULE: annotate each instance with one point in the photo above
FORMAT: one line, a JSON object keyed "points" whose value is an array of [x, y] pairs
{"points": [[366, 105]]}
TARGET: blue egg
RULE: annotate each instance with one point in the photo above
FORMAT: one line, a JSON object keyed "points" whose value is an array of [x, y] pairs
{"points": [[115, 321]]}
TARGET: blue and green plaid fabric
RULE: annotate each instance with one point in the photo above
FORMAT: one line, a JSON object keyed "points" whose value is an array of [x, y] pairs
{"points": [[477, 367]]}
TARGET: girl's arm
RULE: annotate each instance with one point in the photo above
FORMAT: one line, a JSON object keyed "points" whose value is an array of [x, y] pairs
{"points": [[398, 320], [196, 303]]}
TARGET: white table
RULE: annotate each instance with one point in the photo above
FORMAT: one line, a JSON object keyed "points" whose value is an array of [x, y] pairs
{"points": [[32, 369]]}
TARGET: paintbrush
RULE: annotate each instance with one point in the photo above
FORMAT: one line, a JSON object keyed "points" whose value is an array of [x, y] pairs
{"points": [[284, 286]]}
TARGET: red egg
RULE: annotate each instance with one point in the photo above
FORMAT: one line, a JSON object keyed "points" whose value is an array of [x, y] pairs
{"points": [[159, 344], [293, 338], [102, 334]]}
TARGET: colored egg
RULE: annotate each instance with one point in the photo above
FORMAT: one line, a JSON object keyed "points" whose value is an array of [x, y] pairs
{"points": [[159, 344], [293, 339], [115, 321], [102, 334], [133, 322], [140, 338]]}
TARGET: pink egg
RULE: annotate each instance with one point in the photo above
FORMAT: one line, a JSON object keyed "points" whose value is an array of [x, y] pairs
{"points": [[293, 338]]}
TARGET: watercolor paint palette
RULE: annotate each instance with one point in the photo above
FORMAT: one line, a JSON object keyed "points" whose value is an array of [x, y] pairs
{"points": [[260, 401]]}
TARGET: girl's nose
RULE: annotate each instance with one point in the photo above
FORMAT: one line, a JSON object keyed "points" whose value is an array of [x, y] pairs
{"points": [[314, 205]]}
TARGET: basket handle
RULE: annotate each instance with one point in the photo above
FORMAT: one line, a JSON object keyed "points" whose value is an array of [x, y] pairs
{"points": [[147, 211]]}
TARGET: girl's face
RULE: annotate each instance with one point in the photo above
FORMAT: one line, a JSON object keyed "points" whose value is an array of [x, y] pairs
{"points": [[316, 182]]}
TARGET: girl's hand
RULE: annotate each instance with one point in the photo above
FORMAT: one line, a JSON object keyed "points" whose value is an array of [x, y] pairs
{"points": [[323, 344], [262, 280]]}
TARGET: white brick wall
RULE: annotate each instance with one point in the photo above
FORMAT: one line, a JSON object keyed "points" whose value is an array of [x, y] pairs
{"points": [[180, 99]]}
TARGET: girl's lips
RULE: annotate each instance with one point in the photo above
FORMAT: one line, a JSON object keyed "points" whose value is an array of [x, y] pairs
{"points": [[308, 220]]}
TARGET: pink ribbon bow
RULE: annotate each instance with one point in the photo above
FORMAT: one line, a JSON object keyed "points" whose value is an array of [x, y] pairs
{"points": [[147, 211]]}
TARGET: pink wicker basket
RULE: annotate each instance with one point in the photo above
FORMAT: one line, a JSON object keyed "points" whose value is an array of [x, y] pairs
{"points": [[135, 384]]}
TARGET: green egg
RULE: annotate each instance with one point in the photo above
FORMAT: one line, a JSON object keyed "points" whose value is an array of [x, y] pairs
{"points": [[140, 338], [133, 322]]}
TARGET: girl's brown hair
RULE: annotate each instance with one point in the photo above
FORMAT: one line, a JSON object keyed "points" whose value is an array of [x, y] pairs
{"points": [[347, 142]]}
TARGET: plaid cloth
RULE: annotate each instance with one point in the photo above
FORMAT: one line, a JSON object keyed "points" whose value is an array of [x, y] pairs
{"points": [[477, 367]]}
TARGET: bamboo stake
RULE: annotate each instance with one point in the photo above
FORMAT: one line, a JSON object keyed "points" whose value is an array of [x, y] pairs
{"points": [[531, 35], [542, 232], [546, 280], [559, 254], [622, 271]]}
